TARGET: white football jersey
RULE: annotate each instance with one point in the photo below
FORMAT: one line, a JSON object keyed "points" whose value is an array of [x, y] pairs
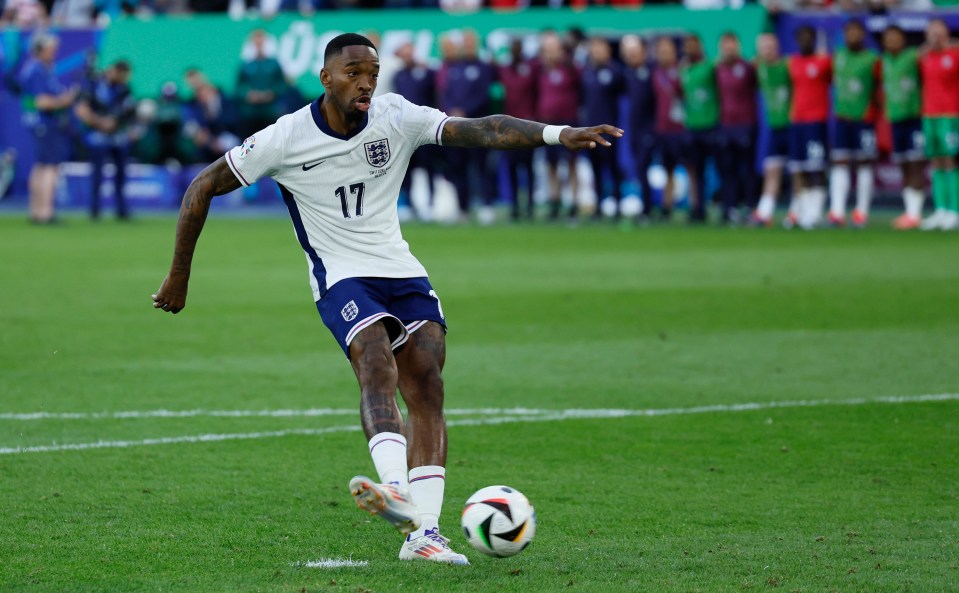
{"points": [[342, 191]]}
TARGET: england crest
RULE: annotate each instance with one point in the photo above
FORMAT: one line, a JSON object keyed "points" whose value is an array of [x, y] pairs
{"points": [[350, 311], [378, 152]]}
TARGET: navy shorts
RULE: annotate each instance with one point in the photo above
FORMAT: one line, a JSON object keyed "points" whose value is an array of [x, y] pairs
{"points": [[807, 147], [854, 140], [700, 145], [404, 305], [908, 143], [777, 150], [672, 148], [53, 144], [742, 137]]}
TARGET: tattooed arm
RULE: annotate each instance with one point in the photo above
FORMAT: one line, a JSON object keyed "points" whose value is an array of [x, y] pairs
{"points": [[215, 180], [505, 132]]}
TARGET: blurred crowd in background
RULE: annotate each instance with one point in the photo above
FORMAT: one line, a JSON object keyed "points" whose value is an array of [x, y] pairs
{"points": [[76, 13], [686, 108]]}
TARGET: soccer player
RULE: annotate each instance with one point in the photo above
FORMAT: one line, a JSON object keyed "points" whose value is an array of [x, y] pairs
{"points": [[602, 82], [558, 103], [939, 66], [467, 94], [638, 76], [416, 83], [519, 77], [810, 74], [702, 116], [736, 81], [856, 70], [670, 116], [773, 73], [339, 163], [903, 105]]}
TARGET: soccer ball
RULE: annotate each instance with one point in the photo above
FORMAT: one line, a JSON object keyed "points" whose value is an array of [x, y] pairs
{"points": [[499, 521]]}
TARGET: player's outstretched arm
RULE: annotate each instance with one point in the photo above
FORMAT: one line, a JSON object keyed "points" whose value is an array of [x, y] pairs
{"points": [[215, 180], [504, 132]]}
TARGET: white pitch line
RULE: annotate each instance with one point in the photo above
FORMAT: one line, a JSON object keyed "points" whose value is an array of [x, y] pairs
{"points": [[331, 563], [305, 413], [200, 438], [530, 416]]}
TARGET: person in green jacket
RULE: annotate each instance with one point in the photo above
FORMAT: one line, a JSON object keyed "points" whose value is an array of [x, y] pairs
{"points": [[260, 86], [855, 79], [776, 89], [701, 102], [903, 108]]}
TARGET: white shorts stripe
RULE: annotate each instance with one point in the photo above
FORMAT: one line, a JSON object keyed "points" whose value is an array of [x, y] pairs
{"points": [[412, 327], [365, 323]]}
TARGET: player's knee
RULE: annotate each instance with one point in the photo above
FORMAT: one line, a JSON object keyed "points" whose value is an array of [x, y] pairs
{"points": [[425, 389], [376, 367]]}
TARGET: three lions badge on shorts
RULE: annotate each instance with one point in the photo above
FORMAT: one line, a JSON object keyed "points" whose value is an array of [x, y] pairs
{"points": [[350, 311]]}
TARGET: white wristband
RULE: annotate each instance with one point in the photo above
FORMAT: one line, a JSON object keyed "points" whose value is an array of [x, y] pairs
{"points": [[551, 134]]}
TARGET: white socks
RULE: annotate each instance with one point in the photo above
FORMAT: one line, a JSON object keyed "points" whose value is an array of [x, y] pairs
{"points": [[839, 182], [811, 206], [766, 206], [795, 204], [864, 181], [913, 199], [388, 450], [427, 484]]}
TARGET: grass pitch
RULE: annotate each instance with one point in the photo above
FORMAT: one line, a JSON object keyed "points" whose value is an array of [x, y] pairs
{"points": [[859, 497]]}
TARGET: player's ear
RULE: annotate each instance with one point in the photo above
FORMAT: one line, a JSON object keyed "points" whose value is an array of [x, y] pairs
{"points": [[326, 79]]}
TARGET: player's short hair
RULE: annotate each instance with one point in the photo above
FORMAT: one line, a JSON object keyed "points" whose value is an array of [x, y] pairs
{"points": [[336, 45], [729, 34], [854, 23], [805, 29], [122, 65], [895, 29]]}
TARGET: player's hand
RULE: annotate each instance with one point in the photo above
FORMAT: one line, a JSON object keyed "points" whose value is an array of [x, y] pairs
{"points": [[577, 138], [171, 297]]}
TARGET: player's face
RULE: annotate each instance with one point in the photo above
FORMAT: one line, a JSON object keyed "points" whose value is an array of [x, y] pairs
{"points": [[854, 36], [350, 79], [632, 51], [893, 41], [666, 52], [806, 40], [599, 51], [729, 48], [937, 35], [552, 50], [693, 48], [768, 47]]}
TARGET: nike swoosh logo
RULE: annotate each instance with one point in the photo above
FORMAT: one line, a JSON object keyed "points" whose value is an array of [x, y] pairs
{"points": [[307, 168]]}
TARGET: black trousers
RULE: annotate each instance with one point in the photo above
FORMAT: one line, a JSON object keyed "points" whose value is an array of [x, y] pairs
{"points": [[605, 159], [517, 161], [737, 166], [467, 171], [98, 158]]}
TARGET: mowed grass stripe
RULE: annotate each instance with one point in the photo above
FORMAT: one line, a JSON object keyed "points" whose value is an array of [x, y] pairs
{"points": [[519, 416]]}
